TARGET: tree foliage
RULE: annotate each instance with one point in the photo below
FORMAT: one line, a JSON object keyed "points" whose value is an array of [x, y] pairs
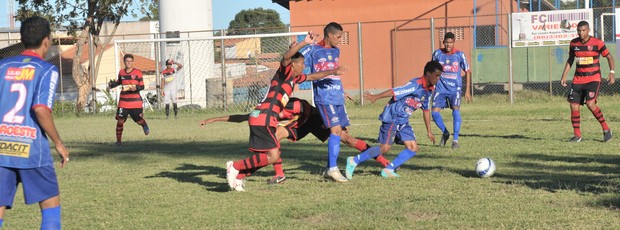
{"points": [[256, 20], [150, 10], [81, 18]]}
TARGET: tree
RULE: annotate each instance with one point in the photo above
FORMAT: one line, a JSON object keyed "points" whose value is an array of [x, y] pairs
{"points": [[260, 21], [87, 17], [151, 11]]}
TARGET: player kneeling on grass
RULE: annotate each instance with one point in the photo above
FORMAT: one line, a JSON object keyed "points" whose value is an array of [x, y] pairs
{"points": [[297, 120], [395, 119], [263, 120]]}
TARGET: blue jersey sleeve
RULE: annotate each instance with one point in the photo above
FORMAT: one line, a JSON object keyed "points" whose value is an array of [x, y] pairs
{"points": [[45, 88], [464, 65], [404, 90]]}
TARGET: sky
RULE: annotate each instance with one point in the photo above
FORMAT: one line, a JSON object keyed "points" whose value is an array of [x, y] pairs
{"points": [[223, 11]]}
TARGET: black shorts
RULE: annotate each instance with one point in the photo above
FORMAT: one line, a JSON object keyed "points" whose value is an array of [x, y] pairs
{"points": [[313, 125], [582, 93], [263, 138], [136, 114]]}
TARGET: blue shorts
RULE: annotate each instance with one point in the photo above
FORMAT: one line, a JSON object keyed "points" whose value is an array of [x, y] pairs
{"points": [[39, 184], [446, 100], [390, 133], [333, 115]]}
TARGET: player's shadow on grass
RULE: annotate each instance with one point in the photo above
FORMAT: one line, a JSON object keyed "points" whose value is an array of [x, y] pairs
{"points": [[511, 136], [190, 173]]}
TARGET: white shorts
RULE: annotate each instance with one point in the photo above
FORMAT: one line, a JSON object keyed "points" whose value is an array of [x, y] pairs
{"points": [[170, 96]]}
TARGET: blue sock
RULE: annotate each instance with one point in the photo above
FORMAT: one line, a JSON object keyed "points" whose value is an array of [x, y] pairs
{"points": [[369, 153], [333, 149], [402, 157], [51, 218], [439, 121], [456, 116]]}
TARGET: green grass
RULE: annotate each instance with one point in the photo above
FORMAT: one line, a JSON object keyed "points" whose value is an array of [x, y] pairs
{"points": [[175, 177]]}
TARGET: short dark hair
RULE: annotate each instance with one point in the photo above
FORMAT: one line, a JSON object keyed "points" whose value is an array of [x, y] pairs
{"points": [[169, 62], [433, 66], [33, 30], [448, 35], [297, 55], [332, 27], [583, 23], [127, 56]]}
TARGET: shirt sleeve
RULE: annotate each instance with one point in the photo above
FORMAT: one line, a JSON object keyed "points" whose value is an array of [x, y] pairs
{"points": [[404, 90], [307, 52], [464, 65], [603, 50], [45, 89]]}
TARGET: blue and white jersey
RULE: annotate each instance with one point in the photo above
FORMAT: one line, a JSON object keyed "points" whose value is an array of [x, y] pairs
{"points": [[407, 98], [27, 82], [327, 91], [451, 80]]}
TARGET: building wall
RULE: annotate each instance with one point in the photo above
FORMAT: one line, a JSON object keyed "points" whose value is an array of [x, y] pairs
{"points": [[396, 34]]}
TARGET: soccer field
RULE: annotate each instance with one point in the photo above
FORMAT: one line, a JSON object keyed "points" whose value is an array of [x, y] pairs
{"points": [[175, 177]]}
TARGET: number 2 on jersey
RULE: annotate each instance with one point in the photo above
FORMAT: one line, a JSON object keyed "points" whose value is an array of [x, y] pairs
{"points": [[11, 116]]}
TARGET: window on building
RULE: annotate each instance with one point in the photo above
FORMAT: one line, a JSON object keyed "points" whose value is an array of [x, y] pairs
{"points": [[344, 40]]}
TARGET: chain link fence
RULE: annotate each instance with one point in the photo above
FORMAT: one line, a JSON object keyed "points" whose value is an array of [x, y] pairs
{"points": [[228, 73], [232, 72]]}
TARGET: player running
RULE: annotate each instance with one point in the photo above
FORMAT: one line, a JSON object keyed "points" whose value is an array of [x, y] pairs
{"points": [[329, 93], [130, 101], [395, 125], [27, 90], [587, 79], [263, 120], [449, 88], [297, 120]]}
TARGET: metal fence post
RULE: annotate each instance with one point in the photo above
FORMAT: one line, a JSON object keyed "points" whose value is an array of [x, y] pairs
{"points": [[91, 71], [432, 34], [510, 58], [361, 61], [223, 60]]}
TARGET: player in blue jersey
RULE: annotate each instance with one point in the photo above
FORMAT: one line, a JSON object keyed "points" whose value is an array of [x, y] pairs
{"points": [[395, 125], [329, 93], [27, 89], [449, 88]]}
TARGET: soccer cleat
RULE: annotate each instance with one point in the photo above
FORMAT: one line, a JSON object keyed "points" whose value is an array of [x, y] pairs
{"points": [[146, 129], [118, 143], [167, 117], [607, 135], [388, 173], [276, 180], [231, 174], [238, 185], [335, 175], [455, 144], [350, 168], [444, 138], [575, 139]]}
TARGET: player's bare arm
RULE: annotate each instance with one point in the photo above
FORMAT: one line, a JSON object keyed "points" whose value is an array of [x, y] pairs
{"points": [[311, 38], [468, 87], [318, 75], [427, 122], [44, 116], [612, 67], [374, 97], [237, 118], [179, 65]]}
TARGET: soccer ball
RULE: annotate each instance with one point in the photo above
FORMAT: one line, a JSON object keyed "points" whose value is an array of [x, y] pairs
{"points": [[485, 167]]}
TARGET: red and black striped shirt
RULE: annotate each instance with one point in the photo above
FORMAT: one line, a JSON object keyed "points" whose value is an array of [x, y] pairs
{"points": [[295, 113], [587, 55], [130, 99], [282, 85]]}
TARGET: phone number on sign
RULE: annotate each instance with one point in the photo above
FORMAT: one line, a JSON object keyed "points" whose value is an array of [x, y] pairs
{"points": [[553, 36]]}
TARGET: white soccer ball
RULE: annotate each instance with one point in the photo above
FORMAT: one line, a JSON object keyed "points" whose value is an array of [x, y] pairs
{"points": [[485, 167]]}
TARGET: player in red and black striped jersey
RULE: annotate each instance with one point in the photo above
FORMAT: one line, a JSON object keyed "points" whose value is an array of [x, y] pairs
{"points": [[263, 120], [130, 101], [297, 120], [586, 50]]}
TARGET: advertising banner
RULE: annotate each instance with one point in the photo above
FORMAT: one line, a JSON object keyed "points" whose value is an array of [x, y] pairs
{"points": [[548, 28]]}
